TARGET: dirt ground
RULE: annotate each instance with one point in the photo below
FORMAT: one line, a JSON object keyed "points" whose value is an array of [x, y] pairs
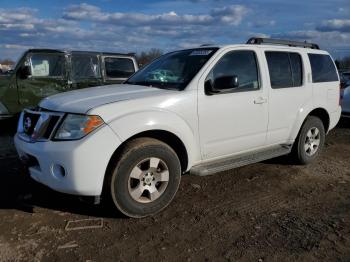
{"points": [[270, 211]]}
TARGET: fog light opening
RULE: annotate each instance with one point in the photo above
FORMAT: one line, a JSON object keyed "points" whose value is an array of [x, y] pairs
{"points": [[58, 171]]}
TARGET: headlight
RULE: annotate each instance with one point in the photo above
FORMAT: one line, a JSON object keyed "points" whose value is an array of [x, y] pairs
{"points": [[77, 126]]}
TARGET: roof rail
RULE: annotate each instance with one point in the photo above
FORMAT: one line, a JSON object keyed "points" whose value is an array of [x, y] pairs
{"points": [[260, 40], [205, 45]]}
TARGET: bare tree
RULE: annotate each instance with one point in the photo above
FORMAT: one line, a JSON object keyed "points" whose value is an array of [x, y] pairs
{"points": [[7, 62], [145, 57]]}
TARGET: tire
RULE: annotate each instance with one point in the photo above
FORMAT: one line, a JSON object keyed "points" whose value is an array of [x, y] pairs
{"points": [[310, 141], [145, 179]]}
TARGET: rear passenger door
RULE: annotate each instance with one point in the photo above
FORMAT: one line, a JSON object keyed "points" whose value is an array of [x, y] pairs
{"points": [[117, 68], [288, 92]]}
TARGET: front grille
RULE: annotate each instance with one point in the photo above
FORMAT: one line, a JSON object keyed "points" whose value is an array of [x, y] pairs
{"points": [[35, 125]]}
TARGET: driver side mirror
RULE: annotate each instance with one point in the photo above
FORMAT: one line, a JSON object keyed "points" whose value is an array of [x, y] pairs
{"points": [[223, 84], [24, 72]]}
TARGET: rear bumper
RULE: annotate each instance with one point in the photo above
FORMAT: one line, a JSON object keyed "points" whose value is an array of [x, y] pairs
{"points": [[84, 162]]}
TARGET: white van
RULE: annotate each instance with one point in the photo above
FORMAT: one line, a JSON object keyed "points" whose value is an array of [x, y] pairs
{"points": [[201, 110]]}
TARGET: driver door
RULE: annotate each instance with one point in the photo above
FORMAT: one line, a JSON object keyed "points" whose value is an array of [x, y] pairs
{"points": [[233, 120], [47, 77]]}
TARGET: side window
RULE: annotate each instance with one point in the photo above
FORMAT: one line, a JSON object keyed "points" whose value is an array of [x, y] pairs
{"points": [[47, 65], [323, 69], [240, 64], [297, 68], [119, 67], [285, 69], [85, 66]]}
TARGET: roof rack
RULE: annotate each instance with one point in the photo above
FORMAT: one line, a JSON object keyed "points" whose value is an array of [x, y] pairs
{"points": [[260, 40]]}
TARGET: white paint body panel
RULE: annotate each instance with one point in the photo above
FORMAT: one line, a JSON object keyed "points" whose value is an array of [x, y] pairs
{"points": [[85, 161], [230, 123], [210, 127]]}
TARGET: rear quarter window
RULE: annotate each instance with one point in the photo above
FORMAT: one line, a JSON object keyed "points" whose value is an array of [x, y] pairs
{"points": [[323, 69]]}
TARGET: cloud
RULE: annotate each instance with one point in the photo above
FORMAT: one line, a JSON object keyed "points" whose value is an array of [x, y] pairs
{"points": [[341, 25], [232, 15], [327, 40], [262, 23], [12, 16], [89, 27]]}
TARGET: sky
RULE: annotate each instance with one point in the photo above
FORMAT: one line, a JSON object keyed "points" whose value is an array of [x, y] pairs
{"points": [[136, 25]]}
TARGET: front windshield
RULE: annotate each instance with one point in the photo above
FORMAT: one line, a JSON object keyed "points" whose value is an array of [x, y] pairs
{"points": [[173, 70]]}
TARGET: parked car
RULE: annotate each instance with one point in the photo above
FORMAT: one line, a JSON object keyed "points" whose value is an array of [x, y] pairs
{"points": [[344, 79], [220, 107], [345, 101], [44, 72]]}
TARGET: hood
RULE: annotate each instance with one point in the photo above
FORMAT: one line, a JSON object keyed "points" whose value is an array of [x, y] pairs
{"points": [[82, 100]]}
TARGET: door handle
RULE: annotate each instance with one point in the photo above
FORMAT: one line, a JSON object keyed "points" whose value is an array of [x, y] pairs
{"points": [[260, 100]]}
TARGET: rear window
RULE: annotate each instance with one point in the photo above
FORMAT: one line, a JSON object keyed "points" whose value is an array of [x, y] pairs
{"points": [[119, 67], [285, 68], [323, 69]]}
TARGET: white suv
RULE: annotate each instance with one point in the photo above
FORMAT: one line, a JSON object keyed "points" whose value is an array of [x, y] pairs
{"points": [[201, 110]]}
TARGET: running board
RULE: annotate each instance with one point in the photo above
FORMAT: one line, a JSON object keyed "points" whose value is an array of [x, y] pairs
{"points": [[228, 163]]}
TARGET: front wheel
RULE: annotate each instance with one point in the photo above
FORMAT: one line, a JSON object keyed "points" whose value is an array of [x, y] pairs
{"points": [[310, 140], [145, 179]]}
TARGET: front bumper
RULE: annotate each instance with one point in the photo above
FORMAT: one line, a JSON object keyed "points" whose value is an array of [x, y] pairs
{"points": [[73, 167]]}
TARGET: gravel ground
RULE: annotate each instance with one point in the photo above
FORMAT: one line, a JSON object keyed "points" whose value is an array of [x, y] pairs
{"points": [[270, 211]]}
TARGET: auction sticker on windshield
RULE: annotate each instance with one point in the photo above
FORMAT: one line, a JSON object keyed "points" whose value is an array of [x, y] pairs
{"points": [[201, 52]]}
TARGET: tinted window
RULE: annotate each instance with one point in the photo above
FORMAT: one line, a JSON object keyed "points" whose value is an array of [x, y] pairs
{"points": [[285, 69], [297, 69], [47, 65], [242, 64], [323, 69], [119, 67], [85, 66]]}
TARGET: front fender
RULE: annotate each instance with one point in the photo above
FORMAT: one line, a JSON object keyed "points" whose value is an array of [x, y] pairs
{"points": [[129, 125]]}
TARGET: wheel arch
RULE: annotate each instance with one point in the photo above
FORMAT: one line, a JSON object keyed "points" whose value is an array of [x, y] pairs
{"points": [[164, 136], [323, 115], [319, 112]]}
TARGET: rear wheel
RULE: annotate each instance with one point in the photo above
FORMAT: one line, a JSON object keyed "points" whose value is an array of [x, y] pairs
{"points": [[310, 140], [145, 179]]}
